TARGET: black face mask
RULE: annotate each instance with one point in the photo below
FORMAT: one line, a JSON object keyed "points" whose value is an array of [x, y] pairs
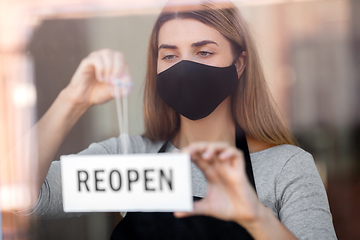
{"points": [[194, 90]]}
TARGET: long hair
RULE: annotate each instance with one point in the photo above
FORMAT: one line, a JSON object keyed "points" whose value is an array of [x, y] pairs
{"points": [[251, 104]]}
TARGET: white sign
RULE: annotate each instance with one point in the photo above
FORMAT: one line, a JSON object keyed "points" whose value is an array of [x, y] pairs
{"points": [[137, 182]]}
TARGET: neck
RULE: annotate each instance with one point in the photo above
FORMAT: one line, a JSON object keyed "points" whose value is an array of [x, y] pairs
{"points": [[218, 126]]}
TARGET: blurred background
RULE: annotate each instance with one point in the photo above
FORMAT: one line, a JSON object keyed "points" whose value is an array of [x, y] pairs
{"points": [[310, 51]]}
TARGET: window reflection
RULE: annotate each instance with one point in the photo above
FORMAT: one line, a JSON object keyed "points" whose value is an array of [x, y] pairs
{"points": [[310, 52]]}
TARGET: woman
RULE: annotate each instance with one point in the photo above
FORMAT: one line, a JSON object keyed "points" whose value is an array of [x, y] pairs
{"points": [[204, 90]]}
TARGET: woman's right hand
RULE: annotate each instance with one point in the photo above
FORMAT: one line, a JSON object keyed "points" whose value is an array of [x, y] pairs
{"points": [[92, 82]]}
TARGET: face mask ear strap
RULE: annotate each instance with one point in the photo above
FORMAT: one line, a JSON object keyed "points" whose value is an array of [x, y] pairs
{"points": [[234, 62]]}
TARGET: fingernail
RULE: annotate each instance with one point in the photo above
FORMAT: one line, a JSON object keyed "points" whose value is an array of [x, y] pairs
{"points": [[224, 155], [206, 155]]}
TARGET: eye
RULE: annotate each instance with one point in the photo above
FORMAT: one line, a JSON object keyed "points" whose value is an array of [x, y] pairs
{"points": [[205, 53], [168, 57]]}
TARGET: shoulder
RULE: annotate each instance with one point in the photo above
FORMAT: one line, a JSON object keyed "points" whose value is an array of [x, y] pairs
{"points": [[280, 152], [277, 168], [137, 144], [284, 165], [279, 157]]}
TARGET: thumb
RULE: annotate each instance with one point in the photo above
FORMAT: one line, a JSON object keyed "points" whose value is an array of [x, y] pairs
{"points": [[199, 208]]}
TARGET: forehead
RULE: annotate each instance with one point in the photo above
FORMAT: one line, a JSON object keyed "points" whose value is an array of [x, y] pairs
{"points": [[188, 31]]}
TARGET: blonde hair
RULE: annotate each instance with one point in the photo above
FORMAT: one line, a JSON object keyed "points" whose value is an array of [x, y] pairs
{"points": [[251, 104]]}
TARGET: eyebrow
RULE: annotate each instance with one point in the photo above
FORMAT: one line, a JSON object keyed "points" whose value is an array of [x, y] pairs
{"points": [[202, 43], [197, 44]]}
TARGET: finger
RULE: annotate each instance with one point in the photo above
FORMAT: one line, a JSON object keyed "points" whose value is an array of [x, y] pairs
{"points": [[214, 148], [230, 153], [182, 214], [207, 167], [197, 159], [231, 170], [94, 59], [99, 68], [204, 155], [199, 208], [107, 58], [211, 173], [196, 148], [204, 162]]}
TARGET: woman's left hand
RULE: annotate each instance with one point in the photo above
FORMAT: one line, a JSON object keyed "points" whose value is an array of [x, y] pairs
{"points": [[230, 195]]}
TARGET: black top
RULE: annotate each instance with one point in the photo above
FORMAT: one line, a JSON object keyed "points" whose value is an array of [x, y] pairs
{"points": [[164, 226]]}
